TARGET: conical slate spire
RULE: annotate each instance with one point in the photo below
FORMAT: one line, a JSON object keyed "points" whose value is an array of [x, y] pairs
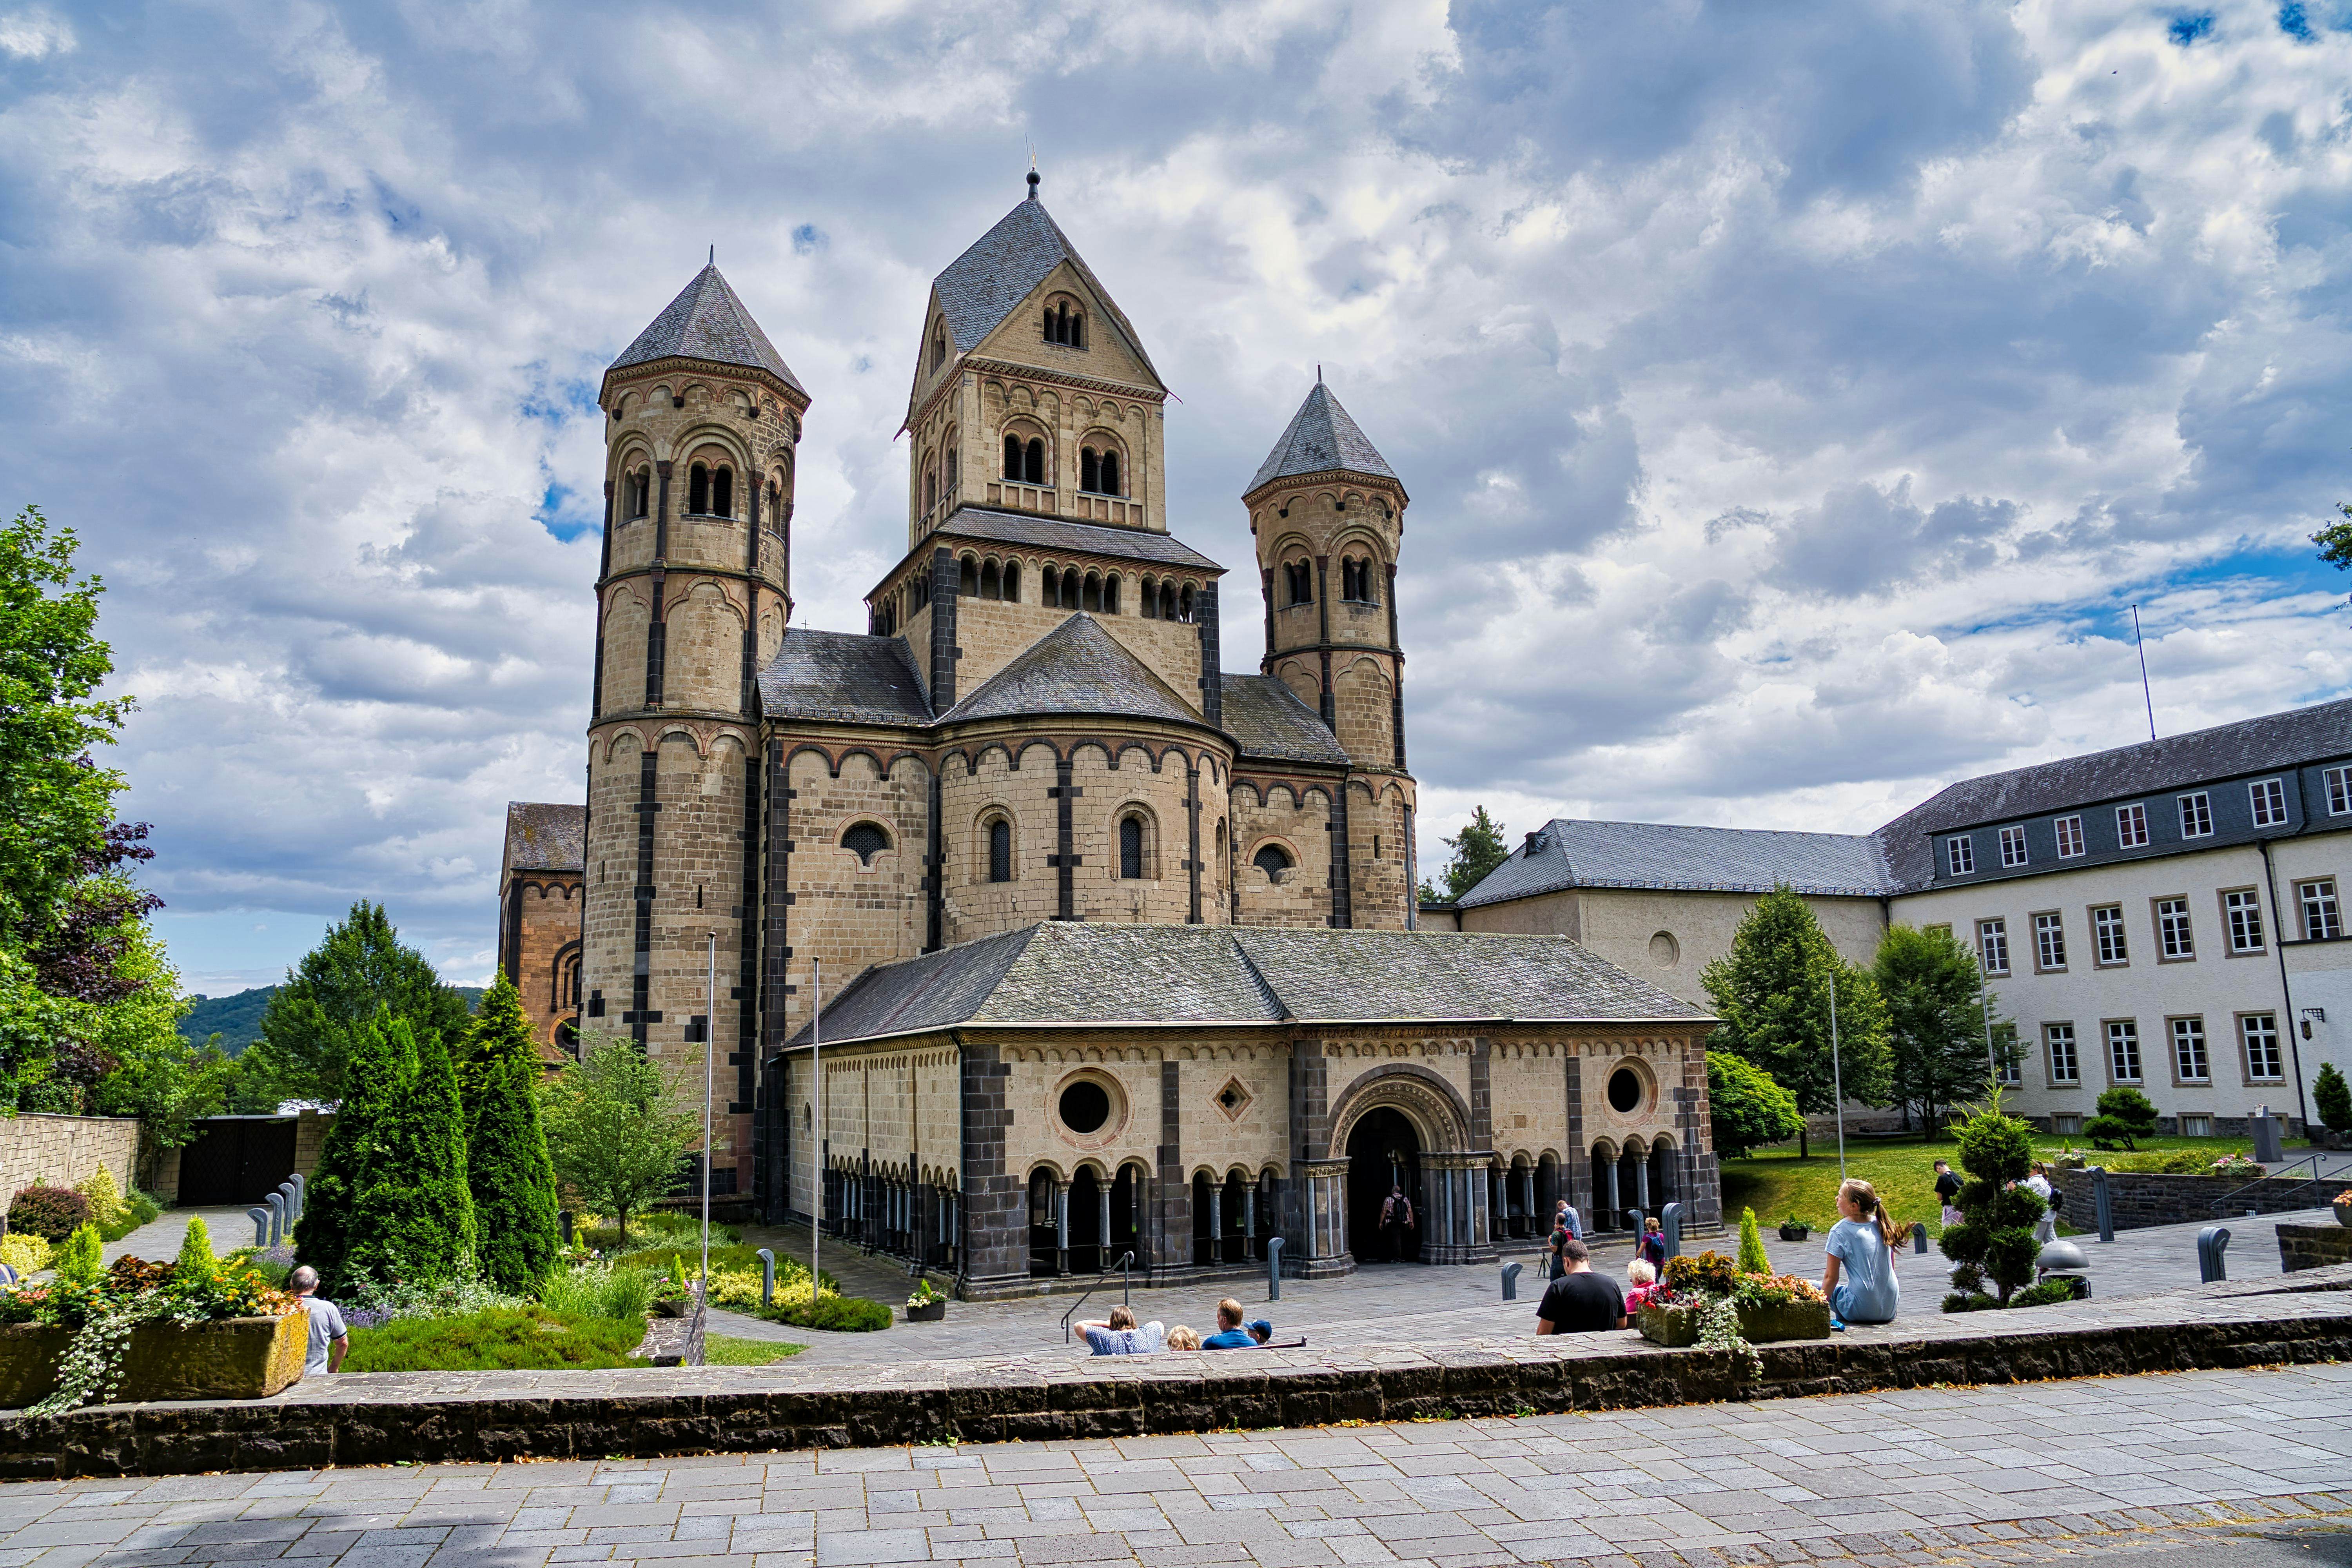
{"points": [[1321, 440], [707, 322]]}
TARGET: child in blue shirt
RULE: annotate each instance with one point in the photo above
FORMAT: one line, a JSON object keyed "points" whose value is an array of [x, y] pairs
{"points": [[1859, 1274]]}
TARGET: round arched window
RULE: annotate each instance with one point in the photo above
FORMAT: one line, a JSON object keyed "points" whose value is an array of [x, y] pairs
{"points": [[1625, 1091], [1272, 859], [865, 841], [1084, 1106]]}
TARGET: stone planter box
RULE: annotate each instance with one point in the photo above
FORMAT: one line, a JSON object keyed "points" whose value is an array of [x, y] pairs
{"points": [[237, 1358], [929, 1313], [1676, 1327]]}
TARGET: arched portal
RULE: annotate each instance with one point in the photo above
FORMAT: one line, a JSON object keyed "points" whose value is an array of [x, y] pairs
{"points": [[1384, 1155]]}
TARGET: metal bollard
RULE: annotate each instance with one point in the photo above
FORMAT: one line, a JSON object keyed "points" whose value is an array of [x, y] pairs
{"points": [[1511, 1280], [563, 1219], [2103, 1203], [293, 1206], [1671, 1222], [301, 1186], [261, 1218], [2211, 1242], [1274, 1268], [276, 1203], [1918, 1236], [767, 1277]]}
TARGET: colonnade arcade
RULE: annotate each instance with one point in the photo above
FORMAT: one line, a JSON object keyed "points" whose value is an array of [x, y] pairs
{"points": [[885, 1208]]}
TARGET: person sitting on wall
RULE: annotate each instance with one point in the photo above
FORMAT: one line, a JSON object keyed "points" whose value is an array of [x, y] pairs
{"points": [[1118, 1335], [1230, 1334], [1261, 1331], [1180, 1338]]}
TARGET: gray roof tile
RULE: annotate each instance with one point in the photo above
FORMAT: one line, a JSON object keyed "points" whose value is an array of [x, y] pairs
{"points": [[1072, 973], [2271, 742], [545, 837], [1004, 266], [1578, 853], [1266, 718], [1076, 667], [707, 322], [989, 525], [843, 677], [1321, 440]]}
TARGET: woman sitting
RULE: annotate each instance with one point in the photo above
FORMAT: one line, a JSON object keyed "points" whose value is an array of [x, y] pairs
{"points": [[1859, 1275], [1642, 1283]]}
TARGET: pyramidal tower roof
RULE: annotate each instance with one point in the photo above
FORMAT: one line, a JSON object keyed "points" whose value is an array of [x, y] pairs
{"points": [[707, 322], [1321, 440], [1004, 266]]}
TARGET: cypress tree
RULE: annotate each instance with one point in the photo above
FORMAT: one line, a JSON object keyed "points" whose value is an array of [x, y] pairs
{"points": [[348, 1155], [507, 1165], [414, 1218]]}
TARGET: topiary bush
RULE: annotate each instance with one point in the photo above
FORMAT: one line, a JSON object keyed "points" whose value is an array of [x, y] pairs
{"points": [[82, 1260], [2125, 1116], [51, 1213], [1993, 1244], [1753, 1256]]}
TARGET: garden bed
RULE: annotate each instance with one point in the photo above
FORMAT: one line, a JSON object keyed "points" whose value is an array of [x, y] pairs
{"points": [[1766, 1323], [235, 1358]]}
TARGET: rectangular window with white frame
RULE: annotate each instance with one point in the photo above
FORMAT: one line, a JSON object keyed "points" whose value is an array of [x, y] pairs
{"points": [[2268, 797], [1992, 940], [2266, 1063], [1960, 855], [2050, 941], [2242, 909], [2197, 816], [2123, 1051], [2012, 846], [2190, 1062], [2107, 935], [2322, 920], [2131, 826], [2011, 1071], [2065, 1067], [2337, 782], [2176, 943], [2070, 836]]}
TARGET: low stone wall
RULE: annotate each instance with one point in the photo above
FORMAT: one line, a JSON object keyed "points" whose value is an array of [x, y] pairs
{"points": [[36, 1149], [2304, 1247], [382, 1418], [2143, 1198]]}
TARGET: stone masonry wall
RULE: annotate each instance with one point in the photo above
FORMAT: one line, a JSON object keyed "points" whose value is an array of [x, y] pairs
{"points": [[548, 927], [1302, 826], [38, 1150], [2141, 1199], [849, 913], [2303, 1246]]}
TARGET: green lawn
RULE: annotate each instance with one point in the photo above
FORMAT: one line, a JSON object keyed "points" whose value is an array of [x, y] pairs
{"points": [[1776, 1183], [723, 1350], [514, 1338]]}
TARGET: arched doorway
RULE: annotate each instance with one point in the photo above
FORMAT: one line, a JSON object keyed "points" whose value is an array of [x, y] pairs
{"points": [[1087, 1254], [1383, 1150]]}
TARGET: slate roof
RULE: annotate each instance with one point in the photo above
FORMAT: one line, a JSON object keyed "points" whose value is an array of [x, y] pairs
{"points": [[843, 677], [1004, 266], [1268, 719], [545, 837], [1569, 853], [1321, 439], [1076, 973], [708, 320], [2271, 742], [1076, 667], [989, 525]]}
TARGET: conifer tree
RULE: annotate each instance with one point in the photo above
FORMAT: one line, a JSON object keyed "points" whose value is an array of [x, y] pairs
{"points": [[414, 1218], [507, 1165], [1772, 992], [358, 967], [353, 1144], [196, 1248], [1753, 1258]]}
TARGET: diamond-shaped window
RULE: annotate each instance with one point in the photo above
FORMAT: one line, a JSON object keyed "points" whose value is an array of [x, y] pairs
{"points": [[1233, 1098]]}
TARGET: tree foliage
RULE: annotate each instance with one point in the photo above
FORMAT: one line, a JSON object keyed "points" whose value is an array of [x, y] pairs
{"points": [[506, 1162], [2124, 1117], [2334, 539], [351, 1149], [1993, 1244], [414, 1220], [1935, 1035], [328, 998], [2332, 1097], [612, 1137], [1478, 849], [1772, 992], [1747, 1108]]}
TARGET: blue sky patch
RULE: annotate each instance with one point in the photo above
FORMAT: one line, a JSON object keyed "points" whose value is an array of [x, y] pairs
{"points": [[2187, 30]]}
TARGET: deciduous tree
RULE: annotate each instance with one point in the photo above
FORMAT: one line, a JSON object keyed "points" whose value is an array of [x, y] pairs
{"points": [[612, 1137], [359, 965], [1935, 1035], [1747, 1108]]}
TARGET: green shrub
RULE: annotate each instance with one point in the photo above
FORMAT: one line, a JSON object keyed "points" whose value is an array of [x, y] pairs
{"points": [[414, 1218], [2125, 1116], [1753, 1260], [51, 1213], [107, 1208], [195, 1248], [2048, 1293], [506, 1167], [144, 1208], [2332, 1097], [1994, 1241], [598, 1290], [2166, 1162], [82, 1260], [519, 1339], [841, 1314]]}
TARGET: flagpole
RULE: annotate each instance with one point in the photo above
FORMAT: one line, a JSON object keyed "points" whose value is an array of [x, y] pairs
{"points": [[1837, 1077], [710, 1035], [816, 1129]]}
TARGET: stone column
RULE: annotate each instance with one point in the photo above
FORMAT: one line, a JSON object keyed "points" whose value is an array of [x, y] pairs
{"points": [[1535, 1220], [1061, 1227], [1642, 1184], [1216, 1221], [1105, 1256], [1249, 1221]]}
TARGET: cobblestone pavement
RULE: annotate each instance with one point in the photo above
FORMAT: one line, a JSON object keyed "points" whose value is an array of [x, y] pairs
{"points": [[1406, 1302], [2131, 1466], [160, 1239]]}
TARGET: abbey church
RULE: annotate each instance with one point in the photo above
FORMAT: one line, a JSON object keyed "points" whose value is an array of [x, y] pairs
{"points": [[1038, 938]]}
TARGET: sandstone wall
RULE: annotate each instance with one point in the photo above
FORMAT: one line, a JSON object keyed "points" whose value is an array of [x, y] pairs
{"points": [[39, 1150]]}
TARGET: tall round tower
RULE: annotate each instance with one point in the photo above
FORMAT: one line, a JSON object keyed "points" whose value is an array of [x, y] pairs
{"points": [[703, 417]]}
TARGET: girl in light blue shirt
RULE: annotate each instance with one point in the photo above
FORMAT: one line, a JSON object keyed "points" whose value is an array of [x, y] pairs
{"points": [[1859, 1275]]}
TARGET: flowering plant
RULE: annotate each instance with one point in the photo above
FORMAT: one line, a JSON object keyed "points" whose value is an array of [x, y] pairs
{"points": [[923, 1295], [2238, 1165]]}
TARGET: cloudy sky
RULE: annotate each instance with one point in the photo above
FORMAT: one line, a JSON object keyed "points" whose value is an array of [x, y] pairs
{"points": [[1792, 398]]}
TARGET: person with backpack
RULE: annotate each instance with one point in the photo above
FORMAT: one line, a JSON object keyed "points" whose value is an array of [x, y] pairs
{"points": [[1948, 1191], [1652, 1249], [1396, 1219]]}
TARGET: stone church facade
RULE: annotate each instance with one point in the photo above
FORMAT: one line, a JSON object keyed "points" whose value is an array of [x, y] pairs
{"points": [[1115, 947]]}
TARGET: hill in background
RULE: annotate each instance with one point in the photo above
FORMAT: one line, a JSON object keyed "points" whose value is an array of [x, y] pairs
{"points": [[237, 1019]]}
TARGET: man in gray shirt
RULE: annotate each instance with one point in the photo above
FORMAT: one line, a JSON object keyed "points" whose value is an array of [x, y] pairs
{"points": [[330, 1339]]}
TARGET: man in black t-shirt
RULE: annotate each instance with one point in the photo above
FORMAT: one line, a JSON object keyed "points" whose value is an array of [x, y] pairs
{"points": [[1579, 1301]]}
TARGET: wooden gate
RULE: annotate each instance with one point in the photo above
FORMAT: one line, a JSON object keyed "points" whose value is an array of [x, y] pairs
{"points": [[237, 1160]]}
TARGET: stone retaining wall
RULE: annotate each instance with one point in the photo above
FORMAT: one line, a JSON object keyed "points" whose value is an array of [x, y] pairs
{"points": [[2145, 1198], [2303, 1246], [37, 1149], [379, 1418]]}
